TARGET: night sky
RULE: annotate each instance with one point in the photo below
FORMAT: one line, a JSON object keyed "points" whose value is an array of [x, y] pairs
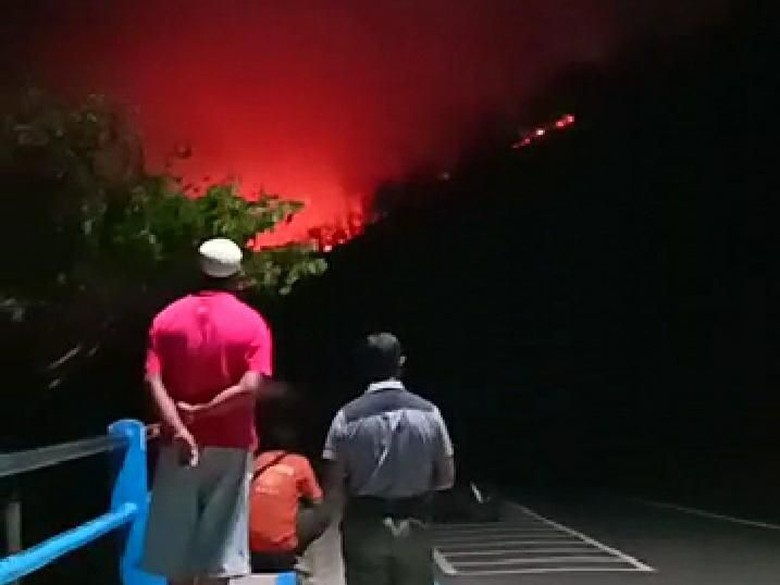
{"points": [[319, 100]]}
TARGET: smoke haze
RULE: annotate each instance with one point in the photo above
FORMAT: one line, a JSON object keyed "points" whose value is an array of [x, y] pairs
{"points": [[313, 99]]}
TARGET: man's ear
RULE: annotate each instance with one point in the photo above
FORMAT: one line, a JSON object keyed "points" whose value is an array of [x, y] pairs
{"points": [[402, 361]]}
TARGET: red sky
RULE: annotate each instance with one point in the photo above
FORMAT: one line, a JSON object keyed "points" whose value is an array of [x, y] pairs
{"points": [[317, 99]]}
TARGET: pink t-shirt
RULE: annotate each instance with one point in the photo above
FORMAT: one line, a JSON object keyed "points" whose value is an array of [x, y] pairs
{"points": [[202, 344]]}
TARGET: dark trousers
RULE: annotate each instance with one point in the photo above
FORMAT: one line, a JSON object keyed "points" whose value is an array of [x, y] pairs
{"points": [[386, 549], [311, 524], [268, 562]]}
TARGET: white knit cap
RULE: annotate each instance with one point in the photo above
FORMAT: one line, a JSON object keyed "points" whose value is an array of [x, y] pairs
{"points": [[220, 258]]}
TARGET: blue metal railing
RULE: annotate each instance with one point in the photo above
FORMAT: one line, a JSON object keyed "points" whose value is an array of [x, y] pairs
{"points": [[128, 511]]}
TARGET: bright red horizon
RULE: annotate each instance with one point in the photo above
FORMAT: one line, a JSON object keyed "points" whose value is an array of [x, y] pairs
{"points": [[312, 100]]}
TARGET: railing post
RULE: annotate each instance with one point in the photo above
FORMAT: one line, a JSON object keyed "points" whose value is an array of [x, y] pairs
{"points": [[12, 523], [286, 578], [131, 486]]}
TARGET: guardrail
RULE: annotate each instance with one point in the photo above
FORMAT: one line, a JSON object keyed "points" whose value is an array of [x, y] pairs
{"points": [[128, 509], [126, 439]]}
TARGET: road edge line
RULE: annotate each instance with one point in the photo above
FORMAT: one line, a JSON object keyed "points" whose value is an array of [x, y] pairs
{"points": [[707, 514]]}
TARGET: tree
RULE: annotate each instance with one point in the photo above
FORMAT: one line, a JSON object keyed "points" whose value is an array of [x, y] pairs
{"points": [[88, 233]]}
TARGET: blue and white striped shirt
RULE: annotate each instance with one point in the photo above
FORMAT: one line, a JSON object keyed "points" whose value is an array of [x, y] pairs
{"points": [[389, 440]]}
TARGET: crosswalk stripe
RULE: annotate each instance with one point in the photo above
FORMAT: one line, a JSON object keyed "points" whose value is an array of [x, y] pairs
{"points": [[527, 544]]}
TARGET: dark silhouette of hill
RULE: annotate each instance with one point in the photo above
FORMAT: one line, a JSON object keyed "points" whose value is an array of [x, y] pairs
{"points": [[594, 309]]}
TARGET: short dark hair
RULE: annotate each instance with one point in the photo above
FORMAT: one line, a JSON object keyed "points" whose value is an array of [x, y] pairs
{"points": [[379, 357], [281, 435]]}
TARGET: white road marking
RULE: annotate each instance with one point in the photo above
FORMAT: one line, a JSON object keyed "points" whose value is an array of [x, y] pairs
{"points": [[461, 549], [503, 526], [443, 564], [494, 533], [541, 571], [488, 538], [542, 560], [710, 515], [468, 545], [449, 526], [583, 547], [639, 566]]}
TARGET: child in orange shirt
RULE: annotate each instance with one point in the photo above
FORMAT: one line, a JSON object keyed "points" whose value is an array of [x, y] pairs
{"points": [[279, 530]]}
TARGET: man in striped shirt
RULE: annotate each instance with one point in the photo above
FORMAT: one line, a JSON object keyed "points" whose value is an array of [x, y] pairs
{"points": [[389, 450]]}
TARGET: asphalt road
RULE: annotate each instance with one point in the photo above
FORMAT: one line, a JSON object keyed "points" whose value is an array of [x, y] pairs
{"points": [[590, 540], [613, 541]]}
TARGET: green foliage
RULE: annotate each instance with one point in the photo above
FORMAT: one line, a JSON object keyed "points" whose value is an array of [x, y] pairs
{"points": [[91, 239], [59, 167], [159, 228], [84, 218]]}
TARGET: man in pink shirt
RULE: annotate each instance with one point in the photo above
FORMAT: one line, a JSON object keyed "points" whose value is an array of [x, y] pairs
{"points": [[208, 356]]}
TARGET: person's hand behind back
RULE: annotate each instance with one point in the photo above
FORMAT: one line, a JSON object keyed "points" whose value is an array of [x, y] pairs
{"points": [[186, 448]]}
